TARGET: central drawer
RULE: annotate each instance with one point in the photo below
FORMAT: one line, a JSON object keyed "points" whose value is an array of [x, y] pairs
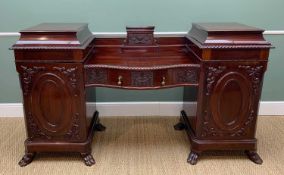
{"points": [[96, 76], [133, 78]]}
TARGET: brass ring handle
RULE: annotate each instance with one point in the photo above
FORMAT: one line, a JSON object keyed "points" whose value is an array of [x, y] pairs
{"points": [[163, 83], [119, 82]]}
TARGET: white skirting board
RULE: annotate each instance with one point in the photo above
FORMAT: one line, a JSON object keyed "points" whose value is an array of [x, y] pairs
{"points": [[141, 108]]}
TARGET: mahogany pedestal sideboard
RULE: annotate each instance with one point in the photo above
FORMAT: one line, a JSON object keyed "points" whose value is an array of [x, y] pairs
{"points": [[57, 62]]}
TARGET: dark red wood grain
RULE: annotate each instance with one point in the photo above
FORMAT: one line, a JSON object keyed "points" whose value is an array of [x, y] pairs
{"points": [[226, 62]]}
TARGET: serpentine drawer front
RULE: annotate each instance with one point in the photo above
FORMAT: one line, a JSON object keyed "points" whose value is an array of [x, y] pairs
{"points": [[141, 78], [226, 62]]}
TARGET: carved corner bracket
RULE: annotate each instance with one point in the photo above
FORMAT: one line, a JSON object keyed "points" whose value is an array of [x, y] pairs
{"points": [[27, 75], [255, 73]]}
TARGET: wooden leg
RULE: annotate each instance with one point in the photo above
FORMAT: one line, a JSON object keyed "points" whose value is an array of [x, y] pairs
{"points": [[192, 158], [254, 157], [27, 159], [88, 159]]}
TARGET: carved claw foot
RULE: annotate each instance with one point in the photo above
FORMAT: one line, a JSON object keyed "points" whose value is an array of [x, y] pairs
{"points": [[99, 127], [192, 158], [27, 159], [88, 159], [254, 157], [179, 126]]}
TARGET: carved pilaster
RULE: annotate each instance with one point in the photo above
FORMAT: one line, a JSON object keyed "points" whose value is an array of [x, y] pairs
{"points": [[207, 130], [212, 75], [73, 132]]}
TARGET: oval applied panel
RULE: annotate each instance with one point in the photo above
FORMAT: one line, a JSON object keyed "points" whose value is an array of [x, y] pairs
{"points": [[231, 101], [52, 104]]}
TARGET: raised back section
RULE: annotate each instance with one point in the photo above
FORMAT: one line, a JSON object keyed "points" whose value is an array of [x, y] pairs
{"points": [[140, 36], [140, 39]]}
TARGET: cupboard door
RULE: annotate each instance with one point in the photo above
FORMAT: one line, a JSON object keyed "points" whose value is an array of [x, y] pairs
{"points": [[230, 100], [52, 101]]}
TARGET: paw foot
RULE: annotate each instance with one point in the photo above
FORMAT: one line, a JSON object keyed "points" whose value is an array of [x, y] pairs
{"points": [[254, 157], [88, 159], [27, 159], [179, 126], [192, 158]]}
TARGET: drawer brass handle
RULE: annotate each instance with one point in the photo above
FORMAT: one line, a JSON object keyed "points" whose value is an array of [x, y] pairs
{"points": [[163, 83], [119, 82]]}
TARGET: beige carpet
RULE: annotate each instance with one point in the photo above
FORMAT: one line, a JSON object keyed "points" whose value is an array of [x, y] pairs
{"points": [[143, 146]]}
